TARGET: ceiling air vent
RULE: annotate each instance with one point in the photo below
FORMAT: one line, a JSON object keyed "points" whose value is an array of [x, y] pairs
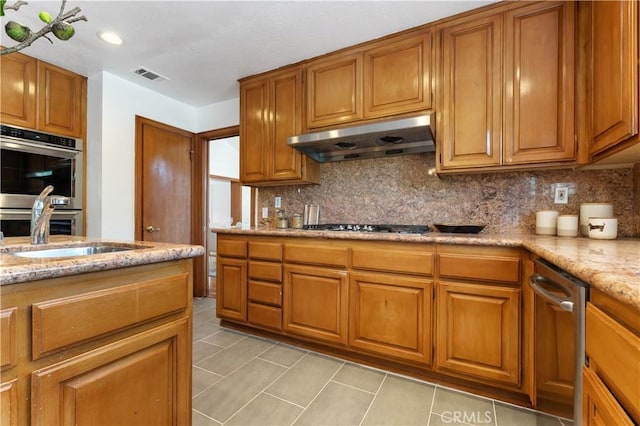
{"points": [[150, 75]]}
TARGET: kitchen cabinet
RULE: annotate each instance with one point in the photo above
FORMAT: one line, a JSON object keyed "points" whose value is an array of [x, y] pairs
{"points": [[391, 301], [231, 278], [265, 284], [476, 283], [41, 96], [610, 34], [374, 80], [316, 291], [110, 347], [506, 92], [611, 393], [270, 112]]}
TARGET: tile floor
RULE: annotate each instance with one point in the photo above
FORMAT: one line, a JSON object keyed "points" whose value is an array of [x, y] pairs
{"points": [[239, 379]]}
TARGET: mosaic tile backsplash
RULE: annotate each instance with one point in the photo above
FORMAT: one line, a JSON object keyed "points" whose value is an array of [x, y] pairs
{"points": [[401, 190]]}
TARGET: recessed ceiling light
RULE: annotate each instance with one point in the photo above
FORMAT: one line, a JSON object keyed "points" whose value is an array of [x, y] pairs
{"points": [[110, 37]]}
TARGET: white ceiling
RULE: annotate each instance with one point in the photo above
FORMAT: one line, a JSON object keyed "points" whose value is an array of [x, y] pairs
{"points": [[204, 47]]}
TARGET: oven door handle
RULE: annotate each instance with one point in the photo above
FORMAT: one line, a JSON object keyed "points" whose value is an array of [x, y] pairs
{"points": [[535, 282]]}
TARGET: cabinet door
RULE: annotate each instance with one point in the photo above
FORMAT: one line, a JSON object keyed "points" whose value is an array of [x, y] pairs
{"points": [[334, 90], [599, 406], [478, 332], [391, 316], [18, 90], [315, 303], [614, 72], [286, 115], [470, 100], [255, 143], [539, 83], [397, 76], [9, 403], [144, 379], [231, 281], [61, 100]]}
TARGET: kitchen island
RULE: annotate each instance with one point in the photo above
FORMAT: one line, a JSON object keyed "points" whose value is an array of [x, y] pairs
{"points": [[96, 339], [449, 308]]}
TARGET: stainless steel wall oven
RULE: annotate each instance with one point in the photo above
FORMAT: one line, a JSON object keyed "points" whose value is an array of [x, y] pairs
{"points": [[31, 160]]}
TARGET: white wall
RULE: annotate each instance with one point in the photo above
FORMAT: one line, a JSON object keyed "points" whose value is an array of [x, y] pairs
{"points": [[219, 115], [113, 104]]}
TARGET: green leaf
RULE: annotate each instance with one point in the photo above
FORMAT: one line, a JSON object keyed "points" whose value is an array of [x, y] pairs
{"points": [[2, 2]]}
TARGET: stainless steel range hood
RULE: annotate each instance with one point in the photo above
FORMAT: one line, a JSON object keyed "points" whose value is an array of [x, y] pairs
{"points": [[381, 139]]}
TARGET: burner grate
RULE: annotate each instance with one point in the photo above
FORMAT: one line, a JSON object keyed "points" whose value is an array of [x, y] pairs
{"points": [[344, 227]]}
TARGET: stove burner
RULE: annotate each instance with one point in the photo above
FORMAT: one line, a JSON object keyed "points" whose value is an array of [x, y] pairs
{"points": [[400, 229]]}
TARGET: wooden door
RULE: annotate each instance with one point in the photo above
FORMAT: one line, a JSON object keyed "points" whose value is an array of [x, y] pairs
{"points": [[478, 332], [539, 83], [286, 116], [168, 198], [18, 90], [137, 380], [397, 76], [315, 303], [9, 403], [334, 90], [231, 288], [470, 95], [391, 315], [62, 100], [255, 141], [599, 406], [614, 72]]}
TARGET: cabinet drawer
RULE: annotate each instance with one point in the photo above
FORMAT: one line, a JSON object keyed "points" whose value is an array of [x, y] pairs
{"points": [[265, 250], [265, 316], [490, 268], [267, 271], [270, 294], [316, 255], [392, 260], [59, 323], [613, 353], [8, 338], [232, 248]]}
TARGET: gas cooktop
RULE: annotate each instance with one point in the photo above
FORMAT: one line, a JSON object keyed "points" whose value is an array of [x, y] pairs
{"points": [[400, 229]]}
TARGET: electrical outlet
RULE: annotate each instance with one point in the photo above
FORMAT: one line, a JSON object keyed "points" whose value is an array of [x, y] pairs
{"points": [[278, 202], [561, 195]]}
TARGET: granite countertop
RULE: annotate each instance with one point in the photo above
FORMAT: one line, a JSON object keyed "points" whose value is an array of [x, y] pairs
{"points": [[612, 266], [14, 269]]}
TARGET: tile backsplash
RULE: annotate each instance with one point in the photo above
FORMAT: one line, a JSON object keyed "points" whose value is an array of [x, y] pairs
{"points": [[404, 190]]}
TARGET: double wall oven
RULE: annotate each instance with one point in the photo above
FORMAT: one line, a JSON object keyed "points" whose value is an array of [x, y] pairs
{"points": [[30, 161]]}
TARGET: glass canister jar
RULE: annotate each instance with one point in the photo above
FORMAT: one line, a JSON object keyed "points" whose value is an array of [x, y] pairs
{"points": [[296, 221]]}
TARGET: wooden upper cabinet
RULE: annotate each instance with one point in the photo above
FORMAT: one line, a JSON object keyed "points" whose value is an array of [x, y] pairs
{"points": [[41, 96], [61, 100], [334, 90], [397, 76], [539, 83], [506, 95], [380, 79], [612, 72], [469, 122], [270, 112], [18, 90]]}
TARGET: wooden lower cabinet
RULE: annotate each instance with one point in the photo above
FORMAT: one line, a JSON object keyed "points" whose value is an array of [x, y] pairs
{"points": [[103, 348], [478, 332], [599, 406], [391, 315], [231, 283], [132, 381], [315, 303]]}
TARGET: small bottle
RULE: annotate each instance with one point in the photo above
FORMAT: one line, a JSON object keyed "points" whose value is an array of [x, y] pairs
{"points": [[281, 219]]}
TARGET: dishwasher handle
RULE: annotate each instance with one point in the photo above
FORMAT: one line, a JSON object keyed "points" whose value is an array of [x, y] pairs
{"points": [[535, 282]]}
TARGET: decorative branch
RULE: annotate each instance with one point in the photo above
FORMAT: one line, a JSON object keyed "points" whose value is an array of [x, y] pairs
{"points": [[60, 26]]}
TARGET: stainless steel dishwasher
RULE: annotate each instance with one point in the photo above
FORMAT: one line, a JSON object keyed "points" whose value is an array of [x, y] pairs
{"points": [[560, 304]]}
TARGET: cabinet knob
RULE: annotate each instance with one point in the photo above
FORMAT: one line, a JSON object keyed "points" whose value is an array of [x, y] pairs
{"points": [[150, 229]]}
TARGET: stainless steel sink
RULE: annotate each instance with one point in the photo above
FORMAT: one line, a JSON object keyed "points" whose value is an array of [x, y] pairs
{"points": [[72, 251]]}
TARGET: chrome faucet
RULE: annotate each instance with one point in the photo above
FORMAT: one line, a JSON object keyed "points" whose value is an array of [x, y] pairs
{"points": [[41, 212]]}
